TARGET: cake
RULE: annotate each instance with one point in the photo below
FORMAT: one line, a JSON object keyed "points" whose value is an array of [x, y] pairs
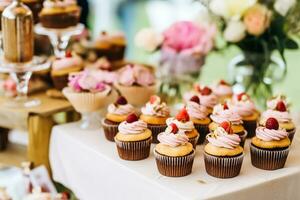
{"points": [[174, 154], [223, 155], [136, 79], [3, 5], [223, 91], [155, 113], [133, 140], [62, 67], [186, 125], [58, 14], [277, 108], [199, 115], [116, 113], [221, 113], [270, 147], [245, 107]]}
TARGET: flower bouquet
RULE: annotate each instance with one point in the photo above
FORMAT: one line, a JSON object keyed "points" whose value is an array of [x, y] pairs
{"points": [[183, 47], [258, 28]]}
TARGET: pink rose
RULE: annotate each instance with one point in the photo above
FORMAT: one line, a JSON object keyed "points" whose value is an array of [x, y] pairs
{"points": [[136, 74]]}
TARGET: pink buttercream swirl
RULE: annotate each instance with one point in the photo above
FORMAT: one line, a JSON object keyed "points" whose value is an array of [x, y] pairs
{"points": [[136, 75], [270, 134], [156, 108], [58, 3], [222, 90], [220, 115], [208, 100], [188, 95], [133, 128], [196, 110], [272, 103], [243, 107], [171, 139], [120, 109], [220, 138], [182, 126], [282, 117], [67, 62]]}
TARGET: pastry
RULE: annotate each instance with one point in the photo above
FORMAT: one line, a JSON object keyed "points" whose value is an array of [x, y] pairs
{"points": [[223, 91], [174, 154]]}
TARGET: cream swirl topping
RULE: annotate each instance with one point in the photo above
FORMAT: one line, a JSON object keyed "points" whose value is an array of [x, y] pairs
{"points": [[120, 109], [220, 115], [196, 110], [220, 138], [182, 126], [282, 117], [133, 128], [270, 134], [222, 90], [58, 3], [243, 108], [208, 100], [272, 103], [156, 108], [171, 139], [67, 62]]}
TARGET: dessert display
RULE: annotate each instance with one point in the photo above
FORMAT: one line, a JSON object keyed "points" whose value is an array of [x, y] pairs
{"points": [[186, 125], [223, 155], [222, 90], [155, 113], [66, 12], [278, 109], [136, 79], [222, 113], [35, 6], [245, 107], [270, 147], [62, 67], [3, 5], [199, 114], [174, 154], [116, 113], [133, 140]]}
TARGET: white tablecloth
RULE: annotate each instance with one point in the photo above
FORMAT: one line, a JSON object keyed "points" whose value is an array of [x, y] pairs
{"points": [[89, 165]]}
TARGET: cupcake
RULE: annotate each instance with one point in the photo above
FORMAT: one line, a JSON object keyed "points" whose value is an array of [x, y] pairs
{"points": [[222, 113], [270, 147], [222, 90], [223, 155], [133, 139], [3, 5], [278, 109], [245, 107], [186, 125], [174, 154], [116, 113], [155, 113], [59, 14], [136, 79], [62, 67], [199, 116]]}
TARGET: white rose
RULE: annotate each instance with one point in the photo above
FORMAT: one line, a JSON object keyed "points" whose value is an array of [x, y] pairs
{"points": [[283, 6], [148, 39], [235, 31]]}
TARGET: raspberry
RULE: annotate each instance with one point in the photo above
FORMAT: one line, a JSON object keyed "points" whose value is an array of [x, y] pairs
{"points": [[227, 126], [281, 106], [183, 116], [206, 91], [195, 99], [121, 101], [223, 82], [174, 128], [272, 123], [153, 99], [132, 118], [225, 106], [68, 54]]}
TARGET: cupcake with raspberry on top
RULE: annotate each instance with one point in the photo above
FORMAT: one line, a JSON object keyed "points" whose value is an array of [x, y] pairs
{"points": [[223, 90], [278, 109], [270, 147], [245, 107], [199, 115], [155, 113], [208, 98], [186, 125], [117, 113]]}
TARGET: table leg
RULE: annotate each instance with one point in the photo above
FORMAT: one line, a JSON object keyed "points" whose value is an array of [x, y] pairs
{"points": [[3, 138], [39, 128]]}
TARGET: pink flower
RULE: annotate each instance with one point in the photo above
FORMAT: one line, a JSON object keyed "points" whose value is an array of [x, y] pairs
{"points": [[136, 74], [186, 35], [74, 81]]}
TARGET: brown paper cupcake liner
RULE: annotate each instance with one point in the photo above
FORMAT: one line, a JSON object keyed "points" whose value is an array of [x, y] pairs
{"points": [[194, 141], [3, 138], [110, 130], [223, 167], [203, 130], [137, 150], [291, 134], [60, 81], [250, 127], [156, 129], [268, 159], [174, 166]]}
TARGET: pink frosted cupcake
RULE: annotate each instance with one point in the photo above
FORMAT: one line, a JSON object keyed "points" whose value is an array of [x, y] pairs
{"points": [[222, 113], [199, 114], [223, 91], [136, 79], [278, 109], [245, 107]]}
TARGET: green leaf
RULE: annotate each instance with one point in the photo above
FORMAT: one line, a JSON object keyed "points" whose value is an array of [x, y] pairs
{"points": [[291, 44]]}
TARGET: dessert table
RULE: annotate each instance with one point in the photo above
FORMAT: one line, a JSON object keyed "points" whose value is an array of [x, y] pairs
{"points": [[88, 164]]}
